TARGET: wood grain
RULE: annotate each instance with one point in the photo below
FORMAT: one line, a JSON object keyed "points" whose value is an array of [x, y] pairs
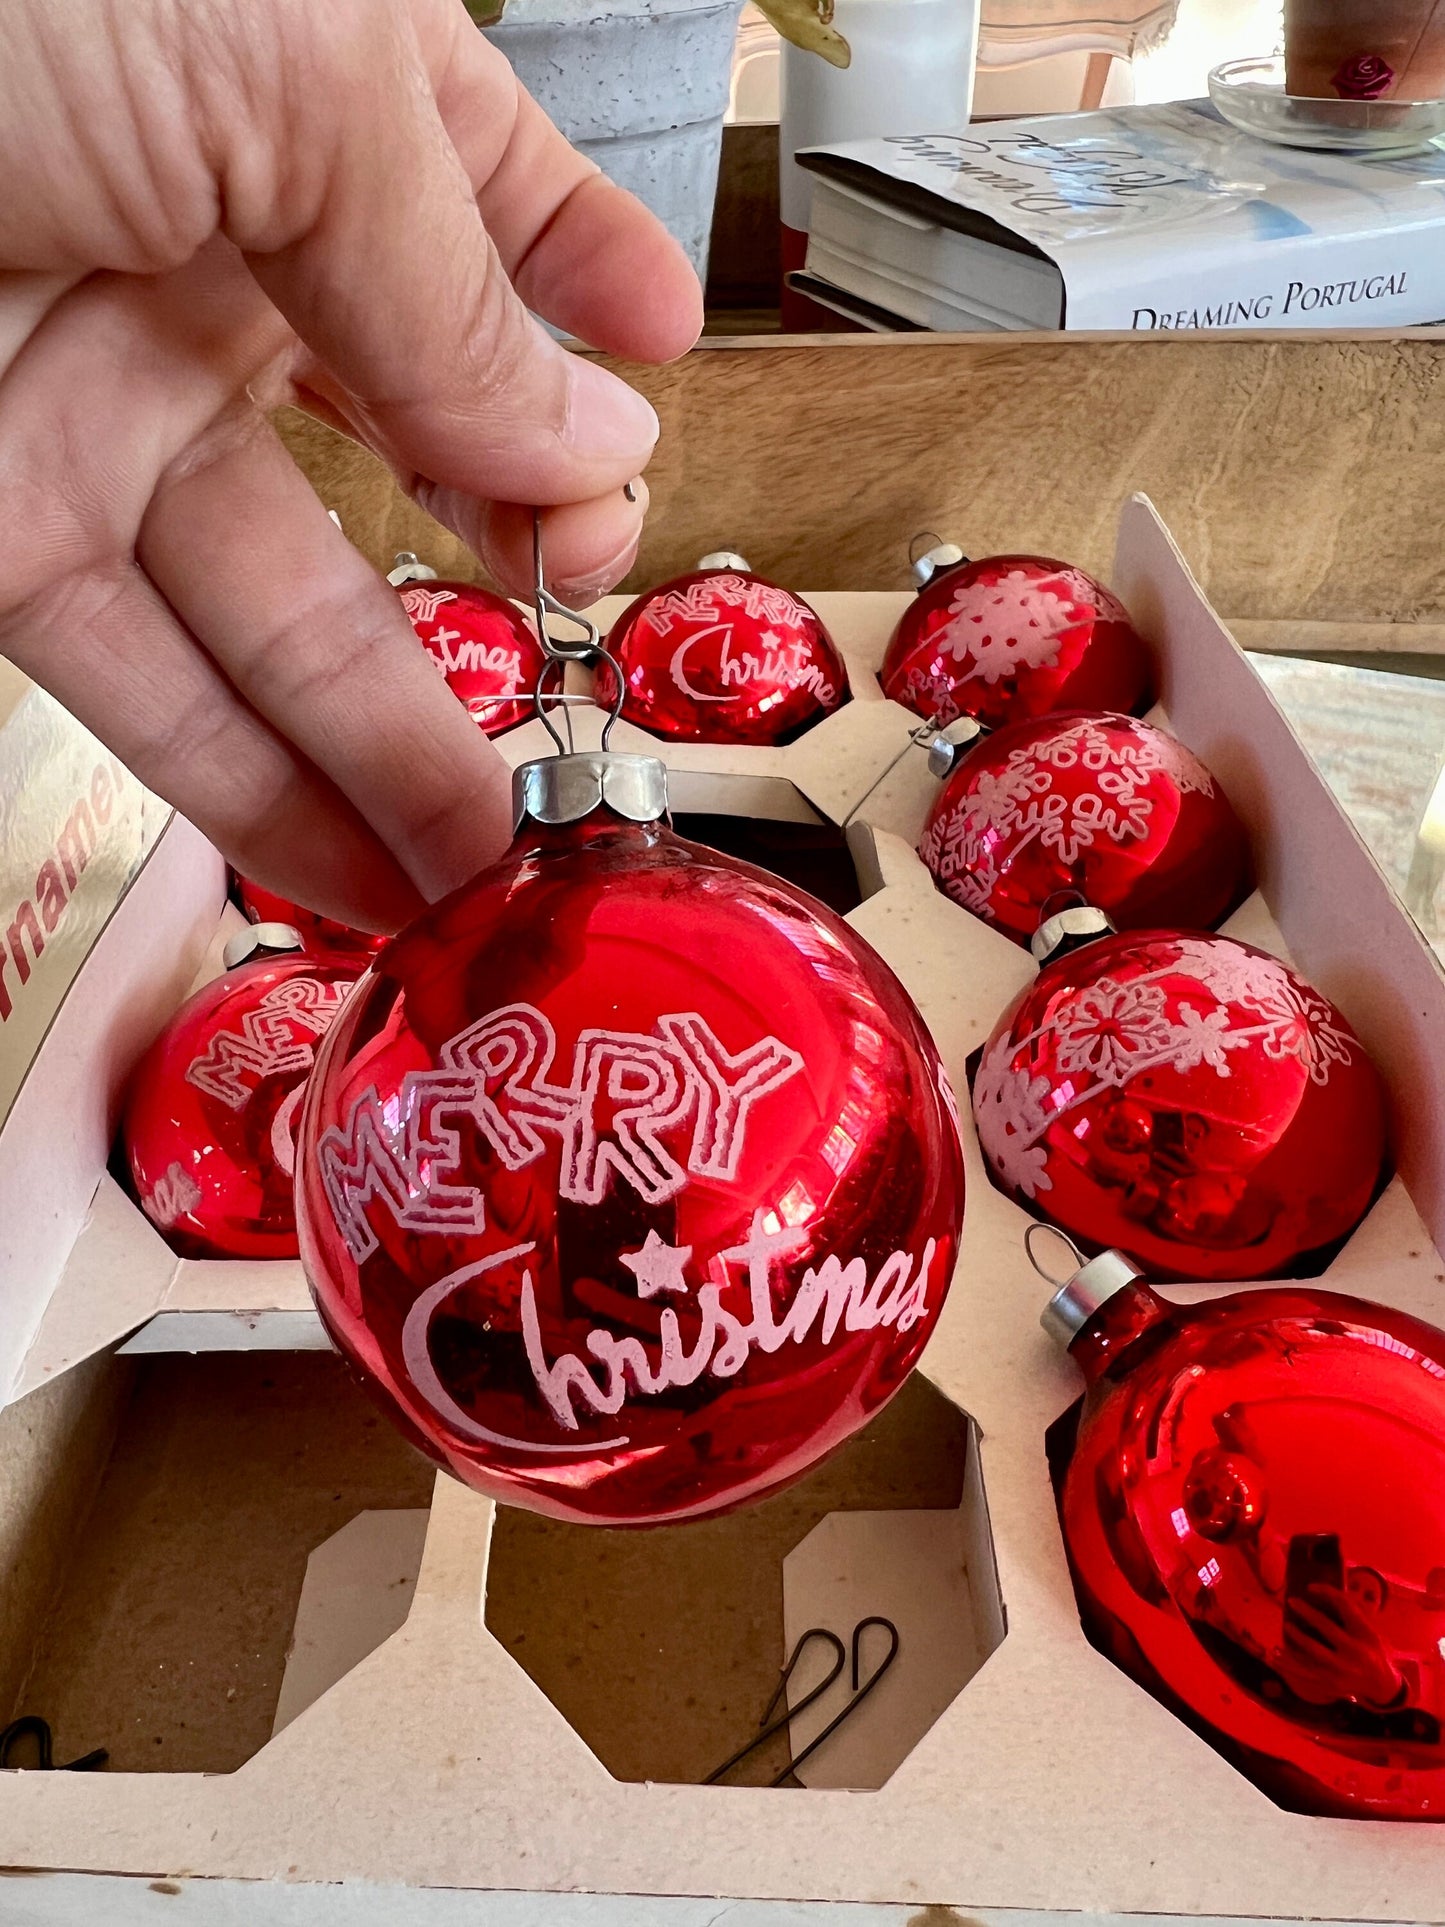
{"points": [[1303, 476]]}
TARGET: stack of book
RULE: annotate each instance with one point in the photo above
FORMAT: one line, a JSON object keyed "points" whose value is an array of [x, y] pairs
{"points": [[1137, 218]]}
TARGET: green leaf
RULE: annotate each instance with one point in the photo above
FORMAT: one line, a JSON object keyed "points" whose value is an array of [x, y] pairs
{"points": [[486, 13], [809, 24]]}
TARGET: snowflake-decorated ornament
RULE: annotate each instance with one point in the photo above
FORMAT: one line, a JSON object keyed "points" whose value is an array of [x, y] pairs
{"points": [[722, 656], [1187, 1099], [1014, 636], [1088, 802]]}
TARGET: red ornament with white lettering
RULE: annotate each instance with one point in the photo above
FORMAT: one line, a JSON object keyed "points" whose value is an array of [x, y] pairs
{"points": [[1186, 1099], [1253, 1501], [484, 646], [721, 656], [1013, 636], [1092, 803], [320, 936], [213, 1105], [630, 1181]]}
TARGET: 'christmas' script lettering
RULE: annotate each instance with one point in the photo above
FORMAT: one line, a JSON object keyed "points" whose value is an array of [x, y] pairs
{"points": [[834, 1296], [649, 1109], [777, 659]]}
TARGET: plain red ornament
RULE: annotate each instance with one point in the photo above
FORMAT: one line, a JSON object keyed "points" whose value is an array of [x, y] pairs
{"points": [[1013, 636], [320, 936], [1253, 1504], [1092, 803], [1187, 1099], [722, 656], [630, 1181], [212, 1106], [486, 648]]}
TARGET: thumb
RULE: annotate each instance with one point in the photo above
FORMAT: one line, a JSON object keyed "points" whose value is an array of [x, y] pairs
{"points": [[388, 276]]}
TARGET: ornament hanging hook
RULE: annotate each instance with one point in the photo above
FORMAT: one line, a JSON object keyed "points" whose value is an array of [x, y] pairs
{"points": [[768, 1726], [1052, 1231], [590, 649]]}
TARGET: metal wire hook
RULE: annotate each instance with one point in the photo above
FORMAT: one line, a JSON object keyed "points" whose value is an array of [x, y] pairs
{"points": [[923, 733], [1051, 1231], [590, 650], [860, 1693], [768, 1726]]}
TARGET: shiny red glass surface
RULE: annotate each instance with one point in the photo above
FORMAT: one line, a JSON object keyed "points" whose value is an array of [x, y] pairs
{"points": [[722, 657], [1091, 802], [320, 936], [1013, 636], [630, 1180], [1254, 1509], [484, 645], [1187, 1099], [212, 1107]]}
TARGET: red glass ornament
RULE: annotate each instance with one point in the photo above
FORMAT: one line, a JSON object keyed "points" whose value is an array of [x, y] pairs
{"points": [[1254, 1510], [320, 936], [1187, 1099], [721, 656], [212, 1107], [1089, 802], [630, 1181], [1013, 636], [486, 648]]}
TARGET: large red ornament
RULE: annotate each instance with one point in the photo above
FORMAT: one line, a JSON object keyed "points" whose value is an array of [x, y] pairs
{"points": [[1254, 1510], [212, 1106], [630, 1180], [486, 648], [1186, 1098], [721, 656], [1089, 802], [1014, 636], [320, 936]]}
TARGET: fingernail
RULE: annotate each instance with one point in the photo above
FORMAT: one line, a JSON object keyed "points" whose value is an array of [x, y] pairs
{"points": [[604, 416]]}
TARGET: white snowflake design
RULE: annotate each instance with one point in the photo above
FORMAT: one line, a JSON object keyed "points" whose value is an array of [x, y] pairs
{"points": [[999, 812], [1012, 1112], [1014, 624], [1109, 1032]]}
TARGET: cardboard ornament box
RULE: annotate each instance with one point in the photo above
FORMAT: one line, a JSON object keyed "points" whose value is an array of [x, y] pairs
{"points": [[314, 1662]]}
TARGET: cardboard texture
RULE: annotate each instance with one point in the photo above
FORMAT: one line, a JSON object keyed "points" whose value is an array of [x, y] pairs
{"points": [[58, 1134], [910, 1569], [1049, 1784]]}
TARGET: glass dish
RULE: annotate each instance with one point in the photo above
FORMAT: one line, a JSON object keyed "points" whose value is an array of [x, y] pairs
{"points": [[1251, 96]]}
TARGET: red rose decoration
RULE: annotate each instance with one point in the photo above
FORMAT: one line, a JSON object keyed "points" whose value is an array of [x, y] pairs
{"points": [[1364, 77]]}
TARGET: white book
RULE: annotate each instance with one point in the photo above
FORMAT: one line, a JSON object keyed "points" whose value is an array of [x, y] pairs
{"points": [[1135, 218]]}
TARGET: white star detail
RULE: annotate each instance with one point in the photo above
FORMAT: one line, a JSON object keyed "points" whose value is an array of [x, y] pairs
{"points": [[658, 1266]]}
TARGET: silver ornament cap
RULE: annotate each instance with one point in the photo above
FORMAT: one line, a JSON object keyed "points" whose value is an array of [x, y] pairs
{"points": [[725, 559], [1068, 930], [259, 938], [564, 789], [409, 568], [1078, 1297], [948, 746], [932, 562]]}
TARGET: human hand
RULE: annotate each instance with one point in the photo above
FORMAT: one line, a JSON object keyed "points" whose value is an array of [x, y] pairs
{"points": [[211, 210]]}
